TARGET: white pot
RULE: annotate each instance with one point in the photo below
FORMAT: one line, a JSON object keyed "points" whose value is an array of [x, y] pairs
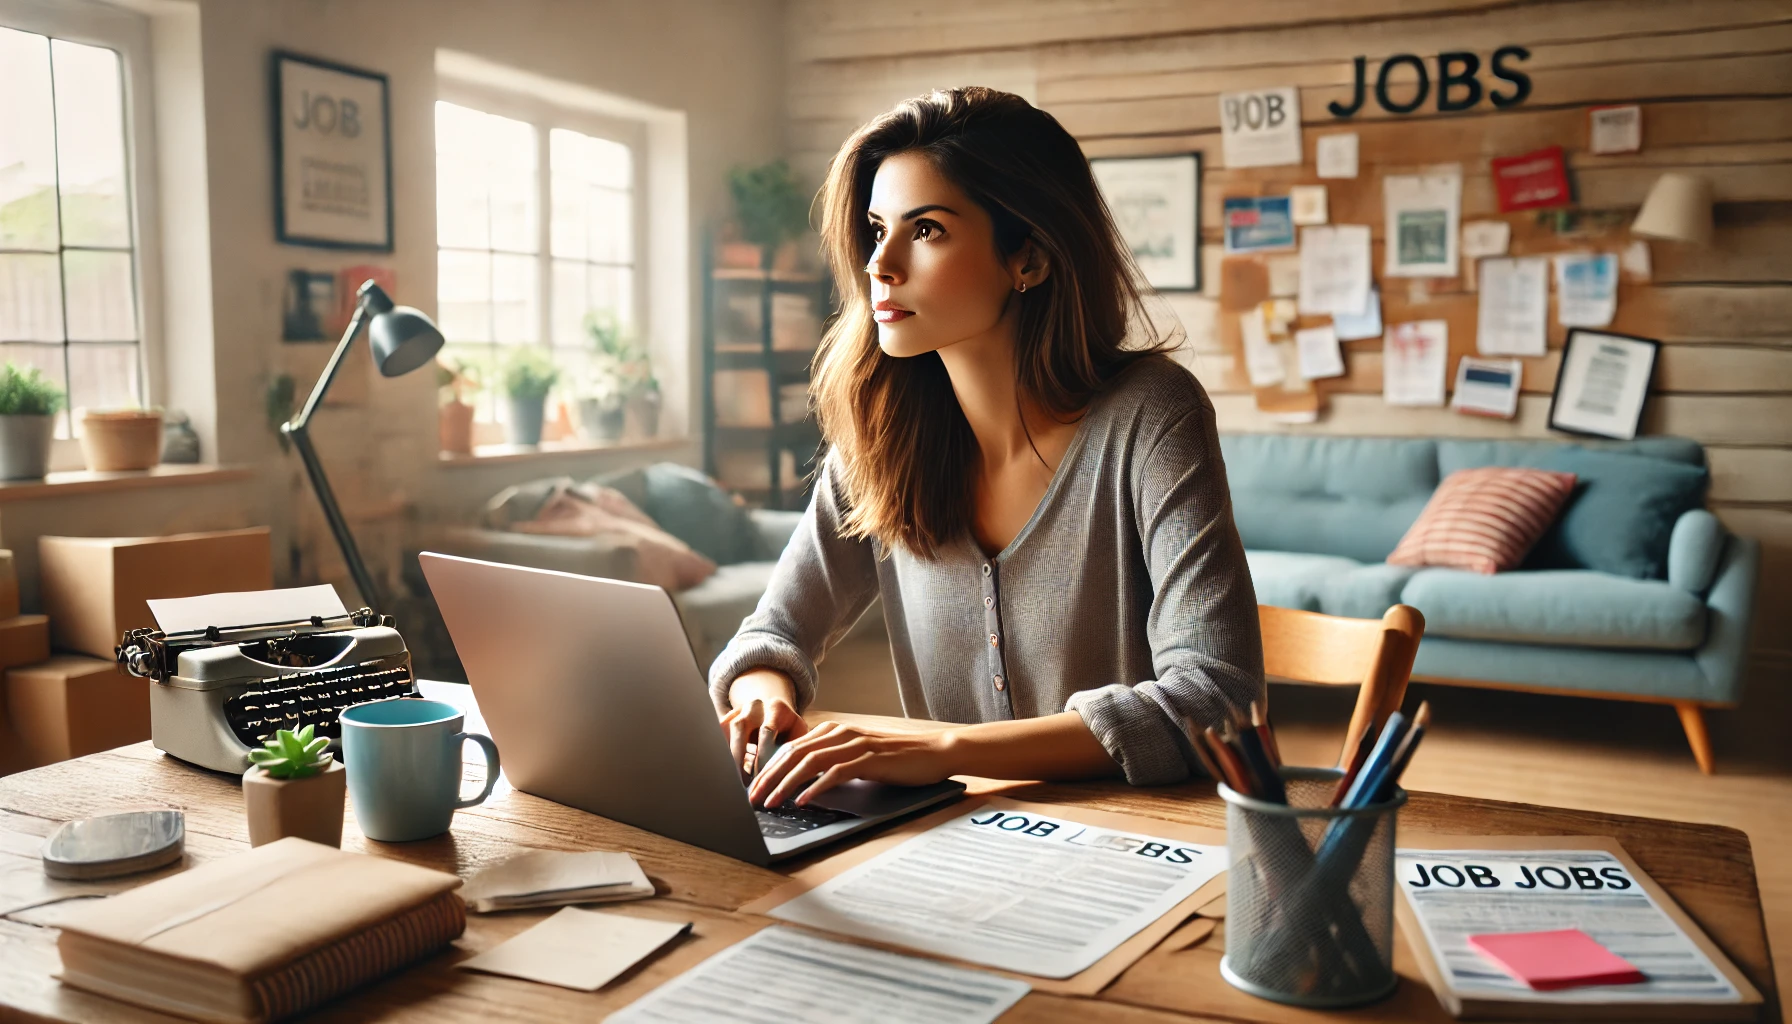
{"points": [[25, 446]]}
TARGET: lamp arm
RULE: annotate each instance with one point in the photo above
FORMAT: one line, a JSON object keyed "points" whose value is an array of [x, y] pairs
{"points": [[303, 419], [298, 428]]}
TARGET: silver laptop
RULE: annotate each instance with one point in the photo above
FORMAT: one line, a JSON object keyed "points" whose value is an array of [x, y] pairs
{"points": [[592, 694]]}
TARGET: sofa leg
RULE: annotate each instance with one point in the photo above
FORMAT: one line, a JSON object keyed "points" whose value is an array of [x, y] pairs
{"points": [[1692, 719]]}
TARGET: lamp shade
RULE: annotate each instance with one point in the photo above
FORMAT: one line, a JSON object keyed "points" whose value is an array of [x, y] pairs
{"points": [[1678, 209], [403, 338]]}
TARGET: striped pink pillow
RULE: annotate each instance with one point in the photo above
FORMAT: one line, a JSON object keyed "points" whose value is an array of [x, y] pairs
{"points": [[1485, 520]]}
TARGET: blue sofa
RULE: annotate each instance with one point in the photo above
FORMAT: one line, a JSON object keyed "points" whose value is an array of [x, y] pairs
{"points": [[1638, 592]]}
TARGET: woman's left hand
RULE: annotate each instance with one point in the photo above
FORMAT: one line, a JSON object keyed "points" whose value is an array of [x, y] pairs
{"points": [[838, 753]]}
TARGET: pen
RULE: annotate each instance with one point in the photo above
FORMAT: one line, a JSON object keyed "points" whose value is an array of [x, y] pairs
{"points": [[1256, 758], [1230, 765], [1403, 754]]}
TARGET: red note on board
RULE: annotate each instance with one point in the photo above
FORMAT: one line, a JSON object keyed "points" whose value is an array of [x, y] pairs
{"points": [[1534, 181], [1551, 960]]}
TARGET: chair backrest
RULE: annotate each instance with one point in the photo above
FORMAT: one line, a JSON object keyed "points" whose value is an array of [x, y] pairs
{"points": [[1377, 655]]}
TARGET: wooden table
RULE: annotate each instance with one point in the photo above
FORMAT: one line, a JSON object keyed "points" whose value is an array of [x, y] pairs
{"points": [[1708, 869]]}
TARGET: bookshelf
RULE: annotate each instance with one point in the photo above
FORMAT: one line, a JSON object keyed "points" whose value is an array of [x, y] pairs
{"points": [[760, 331]]}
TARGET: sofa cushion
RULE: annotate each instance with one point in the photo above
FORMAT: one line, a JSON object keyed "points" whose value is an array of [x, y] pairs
{"points": [[1485, 519], [1352, 497], [691, 507], [712, 610], [1292, 579], [1694, 551], [1623, 512], [1569, 607], [1364, 591]]}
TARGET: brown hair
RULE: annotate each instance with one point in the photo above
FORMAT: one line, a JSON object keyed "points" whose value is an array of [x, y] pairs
{"points": [[906, 452]]}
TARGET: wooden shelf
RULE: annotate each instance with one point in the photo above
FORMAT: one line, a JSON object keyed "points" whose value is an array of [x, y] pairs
{"points": [[86, 481], [775, 276]]}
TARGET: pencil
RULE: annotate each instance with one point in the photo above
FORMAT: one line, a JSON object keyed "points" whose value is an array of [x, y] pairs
{"points": [[1260, 722], [1229, 762]]}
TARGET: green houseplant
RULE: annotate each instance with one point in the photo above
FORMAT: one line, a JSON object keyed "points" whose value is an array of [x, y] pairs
{"points": [[528, 377], [454, 421], [28, 405], [771, 206], [616, 374], [294, 787]]}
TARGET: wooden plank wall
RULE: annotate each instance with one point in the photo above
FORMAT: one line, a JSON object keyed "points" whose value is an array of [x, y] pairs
{"points": [[1714, 79]]}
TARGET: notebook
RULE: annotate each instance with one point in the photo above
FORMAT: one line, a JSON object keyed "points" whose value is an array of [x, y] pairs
{"points": [[260, 935]]}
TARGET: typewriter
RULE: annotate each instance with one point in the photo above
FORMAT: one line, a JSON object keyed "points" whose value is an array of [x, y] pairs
{"points": [[219, 692]]}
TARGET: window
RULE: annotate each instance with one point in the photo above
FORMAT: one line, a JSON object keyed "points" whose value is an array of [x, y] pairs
{"points": [[535, 232], [69, 301]]}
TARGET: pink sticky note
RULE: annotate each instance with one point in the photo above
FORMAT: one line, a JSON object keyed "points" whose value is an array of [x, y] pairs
{"points": [[1552, 960]]}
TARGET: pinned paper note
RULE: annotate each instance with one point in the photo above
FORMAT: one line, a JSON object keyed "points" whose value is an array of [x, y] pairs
{"points": [[1487, 387], [1337, 155], [1615, 129], [1334, 270], [1586, 289], [1284, 275], [1262, 363], [1635, 261], [1319, 355], [1513, 318], [1422, 229], [1413, 360], [1485, 238], [1361, 326], [1308, 202], [578, 949], [1260, 128]]}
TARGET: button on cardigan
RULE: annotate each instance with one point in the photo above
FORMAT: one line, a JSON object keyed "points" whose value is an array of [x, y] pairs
{"points": [[1125, 598]]}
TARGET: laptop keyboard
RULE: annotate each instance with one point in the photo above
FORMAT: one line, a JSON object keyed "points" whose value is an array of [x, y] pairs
{"points": [[791, 820]]}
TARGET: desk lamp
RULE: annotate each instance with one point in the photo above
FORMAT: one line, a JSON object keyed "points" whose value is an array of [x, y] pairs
{"points": [[402, 339]]}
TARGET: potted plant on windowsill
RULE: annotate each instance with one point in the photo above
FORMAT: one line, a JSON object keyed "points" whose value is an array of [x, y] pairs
{"points": [[115, 440], [455, 416], [528, 377], [773, 211], [294, 787], [28, 405], [616, 367]]}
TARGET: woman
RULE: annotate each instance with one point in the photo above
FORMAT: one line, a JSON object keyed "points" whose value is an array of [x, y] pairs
{"points": [[1044, 513]]}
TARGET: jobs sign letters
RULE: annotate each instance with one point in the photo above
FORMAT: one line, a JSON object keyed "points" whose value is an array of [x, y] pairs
{"points": [[1260, 128]]}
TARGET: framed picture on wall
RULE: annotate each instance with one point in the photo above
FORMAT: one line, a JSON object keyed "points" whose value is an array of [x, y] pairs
{"points": [[1603, 383], [332, 155], [1156, 201]]}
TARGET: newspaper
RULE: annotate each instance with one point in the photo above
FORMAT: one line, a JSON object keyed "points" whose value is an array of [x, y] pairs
{"points": [[1458, 893], [1017, 890], [785, 976]]}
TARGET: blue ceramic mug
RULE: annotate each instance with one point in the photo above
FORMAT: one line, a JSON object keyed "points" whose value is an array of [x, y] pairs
{"points": [[404, 766]]}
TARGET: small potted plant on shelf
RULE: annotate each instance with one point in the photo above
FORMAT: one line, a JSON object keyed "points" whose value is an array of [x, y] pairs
{"points": [[528, 377], [455, 416], [646, 404], [294, 787], [121, 439], [28, 405], [773, 210], [616, 368]]}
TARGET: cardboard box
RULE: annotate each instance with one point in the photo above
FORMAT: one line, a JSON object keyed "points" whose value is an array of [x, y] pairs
{"points": [[9, 586], [70, 705], [95, 589], [24, 640]]}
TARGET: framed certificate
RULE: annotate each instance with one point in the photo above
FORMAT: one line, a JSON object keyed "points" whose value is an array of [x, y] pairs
{"points": [[332, 155], [1156, 203], [1603, 383]]}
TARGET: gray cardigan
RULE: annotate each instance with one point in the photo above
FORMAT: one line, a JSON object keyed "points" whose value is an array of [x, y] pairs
{"points": [[1126, 597]]}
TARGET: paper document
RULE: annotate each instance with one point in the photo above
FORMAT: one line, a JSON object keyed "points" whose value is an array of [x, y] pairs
{"points": [[1514, 312], [1413, 359], [1422, 224], [1586, 289], [1021, 891], [1319, 355], [551, 878], [248, 608], [1485, 238], [1458, 893], [791, 977], [1262, 363], [1336, 156], [1487, 387], [578, 949], [1334, 270], [1363, 326]]}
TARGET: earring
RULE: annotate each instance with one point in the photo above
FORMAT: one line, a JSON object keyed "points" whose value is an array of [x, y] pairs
{"points": [[1023, 286]]}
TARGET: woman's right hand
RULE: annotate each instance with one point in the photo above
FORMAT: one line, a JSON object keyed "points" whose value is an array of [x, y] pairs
{"points": [[762, 698]]}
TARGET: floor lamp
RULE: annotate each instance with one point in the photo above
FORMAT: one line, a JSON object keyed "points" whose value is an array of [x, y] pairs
{"points": [[402, 339]]}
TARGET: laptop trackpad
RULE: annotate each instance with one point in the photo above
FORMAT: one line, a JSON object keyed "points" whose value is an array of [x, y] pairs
{"points": [[868, 799]]}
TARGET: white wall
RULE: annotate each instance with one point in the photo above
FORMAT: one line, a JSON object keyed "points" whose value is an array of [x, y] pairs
{"points": [[718, 61]]}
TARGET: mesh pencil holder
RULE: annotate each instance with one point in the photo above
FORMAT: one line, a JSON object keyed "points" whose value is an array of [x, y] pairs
{"points": [[1310, 896]]}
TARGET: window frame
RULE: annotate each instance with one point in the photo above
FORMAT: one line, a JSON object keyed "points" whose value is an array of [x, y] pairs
{"points": [[128, 34], [545, 116]]}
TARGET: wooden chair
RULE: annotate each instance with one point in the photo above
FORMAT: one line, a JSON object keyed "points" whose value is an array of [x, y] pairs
{"points": [[1307, 647]]}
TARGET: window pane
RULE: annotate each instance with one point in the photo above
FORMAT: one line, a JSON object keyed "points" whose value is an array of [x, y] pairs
{"points": [[612, 288], [48, 359], [102, 376], [612, 240], [570, 305], [30, 297], [569, 213], [515, 293], [463, 295], [513, 185], [462, 213], [90, 145], [27, 147], [611, 164], [101, 301]]}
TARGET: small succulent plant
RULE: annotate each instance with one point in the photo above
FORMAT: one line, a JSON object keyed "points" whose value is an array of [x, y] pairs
{"points": [[293, 755]]}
